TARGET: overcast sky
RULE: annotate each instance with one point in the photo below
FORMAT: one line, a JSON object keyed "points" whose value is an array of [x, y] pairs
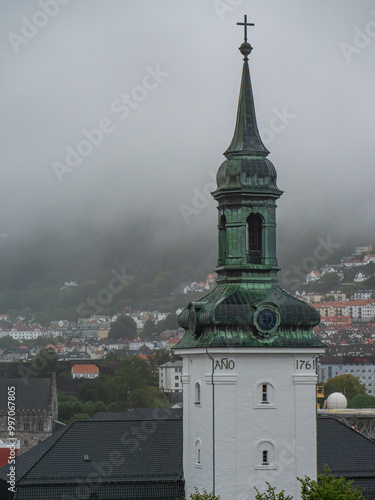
{"points": [[161, 79]]}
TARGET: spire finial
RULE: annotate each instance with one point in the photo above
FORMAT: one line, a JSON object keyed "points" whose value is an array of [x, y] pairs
{"points": [[245, 48]]}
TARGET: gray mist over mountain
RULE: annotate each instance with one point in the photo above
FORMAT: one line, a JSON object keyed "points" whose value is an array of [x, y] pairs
{"points": [[115, 115]]}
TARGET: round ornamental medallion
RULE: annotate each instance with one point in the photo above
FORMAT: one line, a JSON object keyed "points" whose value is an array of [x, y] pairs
{"points": [[266, 320]]}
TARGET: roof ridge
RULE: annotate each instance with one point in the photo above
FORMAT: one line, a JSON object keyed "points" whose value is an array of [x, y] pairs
{"points": [[64, 430], [350, 428]]}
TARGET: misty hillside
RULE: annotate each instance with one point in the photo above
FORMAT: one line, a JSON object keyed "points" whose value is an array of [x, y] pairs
{"points": [[33, 270], [141, 262]]}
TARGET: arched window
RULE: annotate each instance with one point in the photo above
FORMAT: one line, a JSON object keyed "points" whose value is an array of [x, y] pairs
{"points": [[197, 393], [264, 394], [40, 426], [26, 426], [254, 238], [265, 454], [222, 239], [198, 452]]}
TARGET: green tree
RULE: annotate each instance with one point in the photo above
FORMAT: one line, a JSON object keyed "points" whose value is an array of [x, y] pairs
{"points": [[362, 401], [347, 384], [271, 494], [205, 495], [149, 328], [331, 278], [44, 364], [169, 323], [329, 487], [9, 341], [80, 416], [157, 358], [162, 283], [132, 384], [124, 327], [68, 408]]}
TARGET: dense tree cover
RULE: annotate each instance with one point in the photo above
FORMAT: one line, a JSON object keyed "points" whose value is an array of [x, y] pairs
{"points": [[9, 341], [205, 495], [270, 494], [169, 323], [148, 329], [44, 364], [327, 487], [123, 328], [362, 400], [347, 384], [133, 384], [157, 358]]}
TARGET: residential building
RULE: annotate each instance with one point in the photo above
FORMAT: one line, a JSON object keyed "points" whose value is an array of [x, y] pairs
{"points": [[362, 367], [85, 371], [170, 376], [313, 276]]}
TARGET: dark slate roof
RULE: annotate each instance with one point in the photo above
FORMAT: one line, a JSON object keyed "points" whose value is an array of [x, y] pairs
{"points": [[347, 453], [106, 415], [108, 459], [31, 393], [140, 414], [143, 459]]}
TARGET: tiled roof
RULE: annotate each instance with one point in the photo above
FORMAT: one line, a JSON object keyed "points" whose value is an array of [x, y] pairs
{"points": [[31, 393], [85, 369], [125, 459]]}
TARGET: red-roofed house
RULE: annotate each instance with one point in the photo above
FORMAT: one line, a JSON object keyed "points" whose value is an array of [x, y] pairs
{"points": [[85, 371], [172, 342]]}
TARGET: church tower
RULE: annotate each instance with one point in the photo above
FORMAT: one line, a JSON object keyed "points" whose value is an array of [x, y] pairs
{"points": [[249, 352]]}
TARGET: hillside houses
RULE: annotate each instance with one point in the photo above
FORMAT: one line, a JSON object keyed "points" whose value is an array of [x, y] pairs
{"points": [[355, 309]]}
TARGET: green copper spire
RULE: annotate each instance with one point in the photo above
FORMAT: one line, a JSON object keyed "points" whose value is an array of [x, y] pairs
{"points": [[247, 308], [246, 138]]}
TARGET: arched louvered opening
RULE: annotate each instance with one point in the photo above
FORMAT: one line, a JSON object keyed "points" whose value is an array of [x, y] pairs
{"points": [[254, 239], [222, 239]]}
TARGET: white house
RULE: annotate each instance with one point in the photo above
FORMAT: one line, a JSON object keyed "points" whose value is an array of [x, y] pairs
{"points": [[85, 371], [170, 376]]}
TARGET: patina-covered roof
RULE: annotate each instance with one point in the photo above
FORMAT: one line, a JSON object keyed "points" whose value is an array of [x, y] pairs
{"points": [[246, 139], [225, 317], [247, 308]]}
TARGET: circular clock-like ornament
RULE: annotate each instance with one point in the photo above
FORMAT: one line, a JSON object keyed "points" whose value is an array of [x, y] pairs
{"points": [[266, 320], [192, 320]]}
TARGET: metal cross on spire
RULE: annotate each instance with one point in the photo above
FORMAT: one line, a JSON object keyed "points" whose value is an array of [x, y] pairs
{"points": [[245, 24]]}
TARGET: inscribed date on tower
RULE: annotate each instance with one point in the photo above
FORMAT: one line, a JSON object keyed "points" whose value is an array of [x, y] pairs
{"points": [[305, 364]]}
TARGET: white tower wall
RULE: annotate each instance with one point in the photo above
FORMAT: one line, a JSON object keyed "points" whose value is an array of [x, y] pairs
{"points": [[233, 426]]}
